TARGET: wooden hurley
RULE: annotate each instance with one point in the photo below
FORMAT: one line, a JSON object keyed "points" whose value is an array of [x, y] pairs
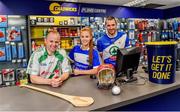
{"points": [[77, 101]]}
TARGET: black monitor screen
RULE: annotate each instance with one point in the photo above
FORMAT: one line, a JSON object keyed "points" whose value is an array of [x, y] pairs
{"points": [[127, 58]]}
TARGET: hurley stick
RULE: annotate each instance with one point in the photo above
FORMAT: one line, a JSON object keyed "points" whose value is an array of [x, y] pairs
{"points": [[77, 101]]}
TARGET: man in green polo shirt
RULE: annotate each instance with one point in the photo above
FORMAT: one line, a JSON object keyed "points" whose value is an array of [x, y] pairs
{"points": [[49, 65]]}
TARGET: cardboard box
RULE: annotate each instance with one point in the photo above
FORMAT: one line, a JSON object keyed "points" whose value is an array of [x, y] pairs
{"points": [[8, 76], [2, 35], [3, 21], [14, 34]]}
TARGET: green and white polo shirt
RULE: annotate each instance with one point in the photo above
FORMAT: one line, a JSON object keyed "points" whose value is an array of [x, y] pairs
{"points": [[46, 66]]}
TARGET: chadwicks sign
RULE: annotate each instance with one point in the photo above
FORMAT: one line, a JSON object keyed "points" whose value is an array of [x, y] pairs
{"points": [[56, 8]]}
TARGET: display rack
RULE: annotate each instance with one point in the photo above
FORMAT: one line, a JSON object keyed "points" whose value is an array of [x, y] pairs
{"points": [[67, 26], [13, 48]]}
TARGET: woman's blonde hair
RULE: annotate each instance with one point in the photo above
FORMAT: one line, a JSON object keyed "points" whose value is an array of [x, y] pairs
{"points": [[90, 43]]}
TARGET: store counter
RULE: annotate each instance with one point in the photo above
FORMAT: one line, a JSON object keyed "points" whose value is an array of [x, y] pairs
{"points": [[23, 99]]}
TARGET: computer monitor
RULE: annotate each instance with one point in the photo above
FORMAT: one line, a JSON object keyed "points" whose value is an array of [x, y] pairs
{"points": [[127, 62]]}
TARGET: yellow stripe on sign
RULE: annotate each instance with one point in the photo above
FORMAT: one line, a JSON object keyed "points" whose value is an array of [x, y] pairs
{"points": [[161, 43]]}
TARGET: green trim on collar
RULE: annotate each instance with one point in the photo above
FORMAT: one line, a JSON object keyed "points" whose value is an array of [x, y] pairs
{"points": [[59, 56], [44, 56]]}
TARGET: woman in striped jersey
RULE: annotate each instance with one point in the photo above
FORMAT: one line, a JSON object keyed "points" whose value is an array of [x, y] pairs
{"points": [[85, 58]]}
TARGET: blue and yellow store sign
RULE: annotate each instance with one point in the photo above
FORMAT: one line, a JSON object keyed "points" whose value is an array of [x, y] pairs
{"points": [[56, 8]]}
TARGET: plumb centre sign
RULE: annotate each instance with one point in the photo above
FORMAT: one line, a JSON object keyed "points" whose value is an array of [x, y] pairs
{"points": [[92, 10]]}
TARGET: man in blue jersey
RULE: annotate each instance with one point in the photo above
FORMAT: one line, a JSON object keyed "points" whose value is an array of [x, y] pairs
{"points": [[111, 41]]}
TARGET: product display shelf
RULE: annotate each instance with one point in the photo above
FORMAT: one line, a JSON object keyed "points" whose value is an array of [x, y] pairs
{"points": [[68, 27], [13, 49]]}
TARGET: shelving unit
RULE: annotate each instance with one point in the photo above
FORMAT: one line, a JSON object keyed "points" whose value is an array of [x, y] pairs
{"points": [[13, 48], [68, 27]]}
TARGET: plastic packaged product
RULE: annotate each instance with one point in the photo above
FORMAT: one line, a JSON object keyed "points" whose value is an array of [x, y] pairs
{"points": [[14, 63], [2, 54], [20, 50], [8, 74], [21, 76], [19, 63], [154, 36], [14, 50], [24, 62], [8, 51], [131, 34], [122, 25], [131, 24]]}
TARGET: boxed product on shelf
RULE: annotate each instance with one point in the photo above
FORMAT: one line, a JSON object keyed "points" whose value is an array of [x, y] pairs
{"points": [[3, 21], [122, 23], [44, 20], [19, 63], [33, 21], [21, 50], [85, 21], [2, 54], [71, 21], [38, 32], [99, 19], [67, 43], [131, 24], [39, 19], [131, 34], [8, 51], [2, 35], [153, 24], [14, 50], [73, 32], [21, 76], [8, 76], [14, 34], [64, 32], [65, 22]]}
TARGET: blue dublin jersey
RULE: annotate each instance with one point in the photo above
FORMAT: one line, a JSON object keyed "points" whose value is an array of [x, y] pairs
{"points": [[108, 46], [81, 58]]}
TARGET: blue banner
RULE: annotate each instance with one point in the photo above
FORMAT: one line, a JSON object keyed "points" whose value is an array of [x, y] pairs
{"points": [[42, 7]]}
